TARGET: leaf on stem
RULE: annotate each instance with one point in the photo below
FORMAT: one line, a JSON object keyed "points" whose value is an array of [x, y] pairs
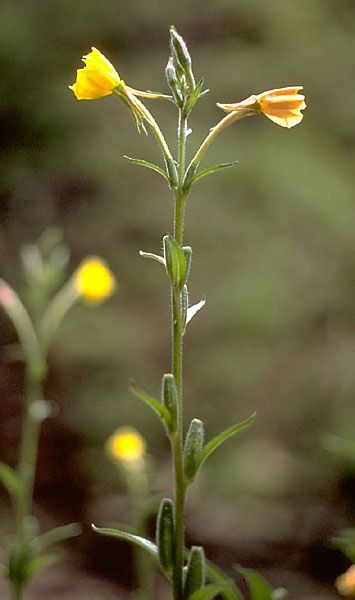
{"points": [[153, 403], [258, 586], [11, 480], [216, 441], [58, 534], [210, 170], [192, 310], [156, 257], [217, 576], [194, 96], [207, 593], [39, 563], [128, 537], [148, 165]]}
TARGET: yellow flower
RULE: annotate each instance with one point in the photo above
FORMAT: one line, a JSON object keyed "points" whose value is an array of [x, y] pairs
{"points": [[126, 445], [283, 105], [345, 584], [97, 79], [93, 280]]}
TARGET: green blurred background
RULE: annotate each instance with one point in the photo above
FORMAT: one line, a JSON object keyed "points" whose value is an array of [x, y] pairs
{"points": [[274, 252]]}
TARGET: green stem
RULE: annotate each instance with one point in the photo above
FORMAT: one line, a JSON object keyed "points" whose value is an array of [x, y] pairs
{"points": [[225, 122], [29, 449], [177, 343]]}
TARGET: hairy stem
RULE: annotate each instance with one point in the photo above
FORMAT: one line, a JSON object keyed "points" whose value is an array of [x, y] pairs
{"points": [[177, 342]]}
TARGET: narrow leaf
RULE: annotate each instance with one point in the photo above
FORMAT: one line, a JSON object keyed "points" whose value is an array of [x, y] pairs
{"points": [[216, 441], [210, 170], [148, 165], [39, 563], [192, 310], [207, 593], [161, 410], [165, 536], [258, 586], [195, 572], [217, 576], [156, 257], [128, 537], [194, 96], [11, 480], [58, 534], [175, 260]]}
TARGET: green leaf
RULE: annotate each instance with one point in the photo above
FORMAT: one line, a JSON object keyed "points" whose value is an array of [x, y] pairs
{"points": [[345, 541], [58, 534], [192, 310], [161, 410], [210, 170], [217, 576], [258, 586], [11, 480], [192, 449], [207, 593], [177, 261], [216, 441], [128, 537], [165, 536], [195, 572], [148, 165], [39, 563], [156, 257], [194, 96]]}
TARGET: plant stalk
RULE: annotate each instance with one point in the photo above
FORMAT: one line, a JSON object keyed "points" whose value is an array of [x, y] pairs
{"points": [[177, 346]]}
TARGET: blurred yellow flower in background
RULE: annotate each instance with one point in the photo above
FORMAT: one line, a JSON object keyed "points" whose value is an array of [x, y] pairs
{"points": [[282, 106], [345, 584], [126, 445], [93, 280], [97, 79]]}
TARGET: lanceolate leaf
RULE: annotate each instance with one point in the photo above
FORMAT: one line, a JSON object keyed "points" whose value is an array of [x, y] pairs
{"points": [[207, 593], [194, 96], [217, 576], [161, 410], [58, 534], [216, 441], [41, 562], [156, 257], [192, 310], [148, 165], [258, 586], [210, 170], [128, 537], [11, 480]]}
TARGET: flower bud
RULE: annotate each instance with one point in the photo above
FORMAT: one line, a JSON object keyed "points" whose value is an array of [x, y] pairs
{"points": [[165, 535], [192, 449], [171, 77], [182, 56], [169, 396], [196, 572]]}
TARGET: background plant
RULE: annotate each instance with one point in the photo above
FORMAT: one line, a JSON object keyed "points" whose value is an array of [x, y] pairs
{"points": [[49, 298]]}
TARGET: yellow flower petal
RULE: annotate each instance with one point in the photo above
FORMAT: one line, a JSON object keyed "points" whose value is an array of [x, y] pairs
{"points": [[345, 584], [98, 78], [93, 280], [282, 105], [126, 445]]}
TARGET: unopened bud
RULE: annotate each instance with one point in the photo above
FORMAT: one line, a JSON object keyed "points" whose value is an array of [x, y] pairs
{"points": [[192, 449], [196, 572], [165, 535]]}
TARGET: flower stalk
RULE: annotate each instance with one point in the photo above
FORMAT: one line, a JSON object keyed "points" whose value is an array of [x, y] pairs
{"points": [[282, 106]]}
